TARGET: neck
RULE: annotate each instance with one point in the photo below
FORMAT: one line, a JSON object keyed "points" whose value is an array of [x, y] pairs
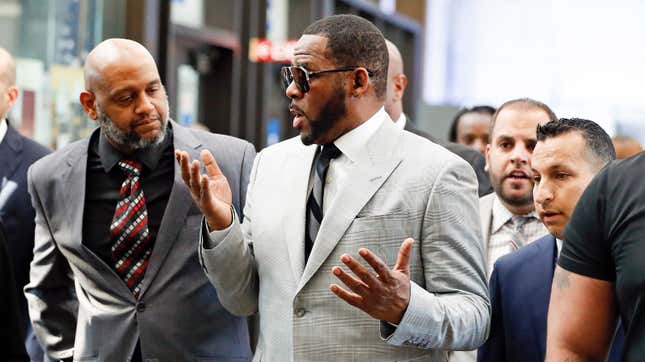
{"points": [[518, 209], [126, 150]]}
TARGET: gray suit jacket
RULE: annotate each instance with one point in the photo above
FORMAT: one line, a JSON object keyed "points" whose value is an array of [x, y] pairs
{"points": [[396, 191], [178, 316]]}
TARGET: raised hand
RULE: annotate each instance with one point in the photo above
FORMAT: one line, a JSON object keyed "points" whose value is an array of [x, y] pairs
{"points": [[384, 295], [211, 191]]}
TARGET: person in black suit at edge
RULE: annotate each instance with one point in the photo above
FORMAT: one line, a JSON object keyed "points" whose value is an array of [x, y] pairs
{"points": [[396, 83], [11, 334], [17, 153]]}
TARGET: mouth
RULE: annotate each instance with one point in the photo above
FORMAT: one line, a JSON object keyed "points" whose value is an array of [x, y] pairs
{"points": [[547, 216], [143, 122], [298, 116], [518, 175]]}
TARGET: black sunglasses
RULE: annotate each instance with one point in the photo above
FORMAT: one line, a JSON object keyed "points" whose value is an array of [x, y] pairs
{"points": [[301, 76]]}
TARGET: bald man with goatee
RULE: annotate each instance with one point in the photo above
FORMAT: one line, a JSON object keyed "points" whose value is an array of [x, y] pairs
{"points": [[116, 275]]}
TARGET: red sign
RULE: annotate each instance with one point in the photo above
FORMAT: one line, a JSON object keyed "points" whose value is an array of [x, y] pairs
{"points": [[263, 50]]}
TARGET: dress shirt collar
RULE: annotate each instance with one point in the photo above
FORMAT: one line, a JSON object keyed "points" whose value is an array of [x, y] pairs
{"points": [[501, 215], [401, 121], [352, 143], [3, 129], [150, 157]]}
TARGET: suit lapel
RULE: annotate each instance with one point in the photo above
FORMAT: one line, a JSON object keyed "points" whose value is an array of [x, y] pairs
{"points": [[296, 176], [9, 161], [363, 181], [544, 266], [74, 186], [179, 203]]}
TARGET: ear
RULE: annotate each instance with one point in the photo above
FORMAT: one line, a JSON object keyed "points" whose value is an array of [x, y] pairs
{"points": [[88, 101], [361, 81], [487, 167], [12, 94], [400, 82]]}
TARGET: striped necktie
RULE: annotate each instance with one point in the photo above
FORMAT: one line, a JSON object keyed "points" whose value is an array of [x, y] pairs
{"points": [[131, 244], [315, 200]]}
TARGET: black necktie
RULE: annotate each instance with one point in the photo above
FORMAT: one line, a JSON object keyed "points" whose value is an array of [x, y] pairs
{"points": [[315, 200]]}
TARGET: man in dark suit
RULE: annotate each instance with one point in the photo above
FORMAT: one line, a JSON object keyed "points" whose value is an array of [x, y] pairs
{"points": [[11, 330], [568, 154], [396, 83], [17, 153], [115, 222]]}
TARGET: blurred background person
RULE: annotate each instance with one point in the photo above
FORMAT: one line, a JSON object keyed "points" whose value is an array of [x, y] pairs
{"points": [[567, 156], [396, 83], [471, 126], [17, 153], [12, 342], [626, 146]]}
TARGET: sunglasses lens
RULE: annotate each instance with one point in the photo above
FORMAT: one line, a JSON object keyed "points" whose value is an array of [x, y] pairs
{"points": [[300, 78], [286, 76]]}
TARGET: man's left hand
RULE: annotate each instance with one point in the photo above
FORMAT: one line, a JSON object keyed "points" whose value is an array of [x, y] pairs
{"points": [[384, 295]]}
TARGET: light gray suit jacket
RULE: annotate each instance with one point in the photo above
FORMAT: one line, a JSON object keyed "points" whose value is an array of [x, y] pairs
{"points": [[485, 219], [396, 191], [178, 316]]}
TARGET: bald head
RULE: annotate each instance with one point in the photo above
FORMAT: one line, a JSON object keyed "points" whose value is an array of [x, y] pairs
{"points": [[7, 68], [104, 61], [396, 82]]}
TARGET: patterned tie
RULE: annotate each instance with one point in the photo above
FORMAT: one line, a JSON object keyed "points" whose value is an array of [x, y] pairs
{"points": [[315, 200], [131, 244]]}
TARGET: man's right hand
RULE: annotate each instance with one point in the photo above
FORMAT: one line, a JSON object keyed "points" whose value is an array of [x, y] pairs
{"points": [[211, 191]]}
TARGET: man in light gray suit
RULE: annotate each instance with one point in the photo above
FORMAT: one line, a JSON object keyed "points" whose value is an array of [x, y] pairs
{"points": [[115, 274], [311, 209]]}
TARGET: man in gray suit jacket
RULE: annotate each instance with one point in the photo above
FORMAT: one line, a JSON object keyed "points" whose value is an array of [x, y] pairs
{"points": [[115, 274], [310, 210]]}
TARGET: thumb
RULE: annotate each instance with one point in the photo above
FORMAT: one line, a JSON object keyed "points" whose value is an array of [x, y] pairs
{"points": [[403, 260]]}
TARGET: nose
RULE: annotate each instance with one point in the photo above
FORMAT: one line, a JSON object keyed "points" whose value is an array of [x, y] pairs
{"points": [[479, 145], [542, 192], [520, 155], [293, 92], [144, 106]]}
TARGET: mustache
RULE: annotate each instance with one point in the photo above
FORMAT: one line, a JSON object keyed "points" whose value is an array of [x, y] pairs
{"points": [[294, 108]]}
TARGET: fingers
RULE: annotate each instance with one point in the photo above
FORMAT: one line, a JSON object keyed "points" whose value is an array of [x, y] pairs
{"points": [[351, 298], [376, 263], [212, 169], [183, 159], [354, 284], [195, 178], [360, 271], [403, 260]]}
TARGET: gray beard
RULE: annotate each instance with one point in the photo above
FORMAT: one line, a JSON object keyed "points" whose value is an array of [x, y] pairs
{"points": [[130, 139]]}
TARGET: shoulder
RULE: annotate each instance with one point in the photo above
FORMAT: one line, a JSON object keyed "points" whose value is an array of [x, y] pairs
{"points": [[209, 138], [52, 162], [521, 259]]}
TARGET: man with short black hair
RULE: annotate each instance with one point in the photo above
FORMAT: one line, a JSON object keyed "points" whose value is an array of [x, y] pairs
{"points": [[368, 188], [600, 273], [568, 154], [471, 127]]}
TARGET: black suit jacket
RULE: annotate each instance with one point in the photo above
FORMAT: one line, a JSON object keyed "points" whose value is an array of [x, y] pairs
{"points": [[11, 333], [474, 158], [17, 153], [520, 289]]}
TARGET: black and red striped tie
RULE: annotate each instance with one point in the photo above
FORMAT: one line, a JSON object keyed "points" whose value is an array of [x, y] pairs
{"points": [[131, 244]]}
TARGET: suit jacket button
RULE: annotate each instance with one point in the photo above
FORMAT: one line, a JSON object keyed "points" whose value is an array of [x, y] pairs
{"points": [[141, 306], [300, 312]]}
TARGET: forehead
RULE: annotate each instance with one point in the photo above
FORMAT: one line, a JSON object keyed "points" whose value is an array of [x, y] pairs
{"points": [[567, 150], [311, 49], [119, 75], [475, 119], [519, 121]]}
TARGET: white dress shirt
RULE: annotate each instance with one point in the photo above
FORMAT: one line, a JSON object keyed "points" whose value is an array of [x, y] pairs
{"points": [[3, 129], [352, 146], [401, 121], [503, 230]]}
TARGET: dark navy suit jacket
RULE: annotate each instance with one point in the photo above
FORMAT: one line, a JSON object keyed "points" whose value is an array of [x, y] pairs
{"points": [[17, 153], [520, 289]]}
